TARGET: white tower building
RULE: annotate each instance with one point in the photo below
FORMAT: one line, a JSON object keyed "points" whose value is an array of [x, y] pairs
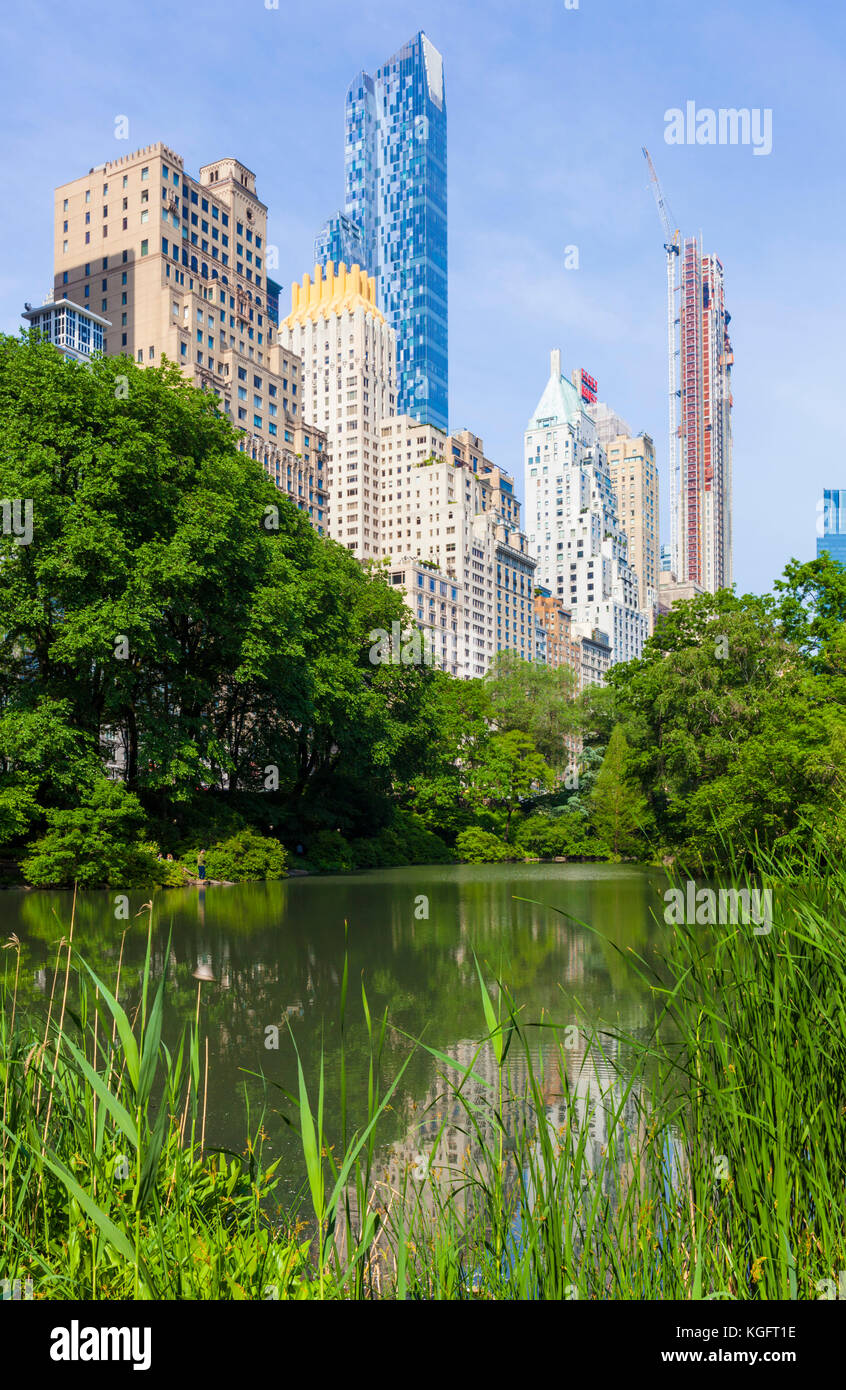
{"points": [[572, 523]]}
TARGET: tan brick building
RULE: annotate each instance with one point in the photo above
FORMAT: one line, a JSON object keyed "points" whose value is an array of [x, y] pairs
{"points": [[178, 265], [634, 477]]}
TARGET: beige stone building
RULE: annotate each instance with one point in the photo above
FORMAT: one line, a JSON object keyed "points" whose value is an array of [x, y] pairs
{"points": [[348, 388], [178, 265], [436, 602], [634, 477], [464, 519], [671, 590]]}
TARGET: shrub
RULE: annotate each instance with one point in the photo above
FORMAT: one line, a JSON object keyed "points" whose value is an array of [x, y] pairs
{"points": [[564, 836], [97, 843], [328, 852], [405, 841], [476, 846], [243, 857]]}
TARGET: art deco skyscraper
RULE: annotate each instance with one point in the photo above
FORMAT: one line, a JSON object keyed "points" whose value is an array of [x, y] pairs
{"points": [[396, 215], [572, 520], [705, 358]]}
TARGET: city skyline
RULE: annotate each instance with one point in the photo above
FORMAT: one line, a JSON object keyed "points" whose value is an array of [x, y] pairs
{"points": [[577, 159]]}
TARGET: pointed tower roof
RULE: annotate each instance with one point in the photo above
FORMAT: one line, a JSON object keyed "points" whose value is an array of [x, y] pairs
{"points": [[560, 401]]}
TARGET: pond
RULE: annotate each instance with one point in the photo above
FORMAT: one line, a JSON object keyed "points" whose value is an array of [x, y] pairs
{"points": [[273, 956]]}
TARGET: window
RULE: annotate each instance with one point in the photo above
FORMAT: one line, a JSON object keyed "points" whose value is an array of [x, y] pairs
{"points": [[145, 173], [65, 205], [88, 195], [145, 246], [145, 216], [125, 180]]}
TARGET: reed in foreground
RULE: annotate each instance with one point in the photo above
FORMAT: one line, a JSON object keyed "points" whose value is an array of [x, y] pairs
{"points": [[703, 1157]]}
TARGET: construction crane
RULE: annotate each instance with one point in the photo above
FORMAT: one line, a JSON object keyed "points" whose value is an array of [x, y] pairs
{"points": [[672, 247]]}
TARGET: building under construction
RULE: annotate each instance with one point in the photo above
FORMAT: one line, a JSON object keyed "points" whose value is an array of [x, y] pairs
{"points": [[705, 362], [699, 362]]}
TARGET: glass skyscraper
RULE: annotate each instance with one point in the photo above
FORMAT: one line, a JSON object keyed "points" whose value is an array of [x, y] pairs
{"points": [[833, 538], [396, 215]]}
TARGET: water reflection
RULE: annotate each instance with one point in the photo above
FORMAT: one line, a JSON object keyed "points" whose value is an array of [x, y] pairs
{"points": [[271, 958]]}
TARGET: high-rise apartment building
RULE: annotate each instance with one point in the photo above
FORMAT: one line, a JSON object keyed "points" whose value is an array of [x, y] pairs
{"points": [[178, 266], [449, 506], [572, 522], [833, 539], [704, 510], [634, 477], [396, 199], [436, 602], [348, 353]]}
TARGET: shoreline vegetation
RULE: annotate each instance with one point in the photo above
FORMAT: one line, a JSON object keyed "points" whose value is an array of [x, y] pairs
{"points": [[186, 665], [721, 1172]]}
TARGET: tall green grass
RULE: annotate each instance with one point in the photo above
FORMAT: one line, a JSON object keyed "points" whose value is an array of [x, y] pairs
{"points": [[704, 1157]]}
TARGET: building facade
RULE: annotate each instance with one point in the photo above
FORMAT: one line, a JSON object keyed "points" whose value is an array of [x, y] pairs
{"points": [[436, 602], [177, 265], [634, 477], [77, 332], [704, 518], [572, 522], [446, 504], [396, 199], [833, 539], [562, 648], [348, 355]]}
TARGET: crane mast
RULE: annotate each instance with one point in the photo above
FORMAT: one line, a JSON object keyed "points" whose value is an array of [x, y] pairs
{"points": [[672, 248]]}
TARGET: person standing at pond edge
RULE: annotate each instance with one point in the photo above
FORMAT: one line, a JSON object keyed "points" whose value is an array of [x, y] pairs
{"points": [[201, 865]]}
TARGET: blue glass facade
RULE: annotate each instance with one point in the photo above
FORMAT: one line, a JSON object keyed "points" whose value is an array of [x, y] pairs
{"points": [[396, 195], [340, 240], [833, 538]]}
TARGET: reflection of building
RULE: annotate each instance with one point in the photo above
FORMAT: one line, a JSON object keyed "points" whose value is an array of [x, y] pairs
{"points": [[589, 1109]]}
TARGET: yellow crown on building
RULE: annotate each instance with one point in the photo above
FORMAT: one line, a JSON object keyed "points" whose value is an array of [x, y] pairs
{"points": [[330, 293]]}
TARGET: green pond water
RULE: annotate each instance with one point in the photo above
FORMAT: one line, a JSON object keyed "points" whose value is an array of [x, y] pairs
{"points": [[275, 955]]}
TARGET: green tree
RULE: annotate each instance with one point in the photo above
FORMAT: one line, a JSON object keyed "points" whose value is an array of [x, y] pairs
{"points": [[619, 810], [510, 769], [173, 600], [811, 609], [732, 737], [536, 700]]}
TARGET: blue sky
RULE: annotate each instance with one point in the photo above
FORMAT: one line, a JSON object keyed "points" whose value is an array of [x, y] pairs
{"points": [[548, 109]]}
